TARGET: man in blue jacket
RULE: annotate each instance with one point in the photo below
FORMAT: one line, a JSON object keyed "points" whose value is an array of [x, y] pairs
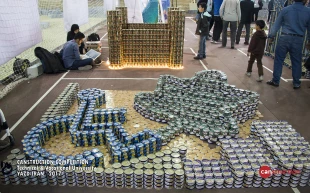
{"points": [[218, 22], [294, 20], [71, 55]]}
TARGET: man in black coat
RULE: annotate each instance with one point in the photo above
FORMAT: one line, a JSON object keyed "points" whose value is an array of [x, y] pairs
{"points": [[247, 7]]}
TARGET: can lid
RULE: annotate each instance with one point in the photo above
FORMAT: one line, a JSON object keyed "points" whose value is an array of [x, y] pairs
{"points": [[119, 171], [116, 165], [128, 171], [15, 151], [98, 170], [138, 172], [159, 172]]}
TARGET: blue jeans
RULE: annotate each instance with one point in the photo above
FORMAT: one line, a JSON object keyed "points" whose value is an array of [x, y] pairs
{"points": [[292, 45], [202, 46], [80, 63]]}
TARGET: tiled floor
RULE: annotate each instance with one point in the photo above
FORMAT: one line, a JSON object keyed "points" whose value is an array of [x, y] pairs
{"points": [[282, 103]]}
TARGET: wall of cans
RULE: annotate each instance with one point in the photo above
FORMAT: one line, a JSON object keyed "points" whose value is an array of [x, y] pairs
{"points": [[270, 48], [146, 45], [204, 105], [63, 102]]}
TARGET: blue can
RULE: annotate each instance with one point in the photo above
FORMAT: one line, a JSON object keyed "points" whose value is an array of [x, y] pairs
{"points": [[141, 136], [45, 155], [90, 161], [86, 153], [135, 139], [132, 151], [116, 157], [94, 126], [139, 149], [94, 151]]}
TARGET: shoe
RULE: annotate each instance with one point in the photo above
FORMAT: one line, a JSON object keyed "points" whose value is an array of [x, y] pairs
{"points": [[198, 58], [260, 79], [270, 82], [237, 43], [296, 87], [232, 47], [204, 56], [248, 74], [87, 67], [214, 42], [210, 36], [246, 43]]}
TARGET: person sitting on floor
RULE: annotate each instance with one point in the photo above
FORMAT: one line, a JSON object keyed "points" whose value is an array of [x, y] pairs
{"points": [[71, 56], [70, 36]]}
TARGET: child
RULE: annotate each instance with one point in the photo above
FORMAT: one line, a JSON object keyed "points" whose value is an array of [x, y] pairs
{"points": [[202, 30], [256, 49]]}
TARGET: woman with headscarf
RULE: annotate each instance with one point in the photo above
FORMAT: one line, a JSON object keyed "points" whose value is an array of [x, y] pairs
{"points": [[70, 36]]}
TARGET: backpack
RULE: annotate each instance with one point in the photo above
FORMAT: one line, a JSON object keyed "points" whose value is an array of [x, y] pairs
{"points": [[20, 66], [93, 37], [51, 63]]}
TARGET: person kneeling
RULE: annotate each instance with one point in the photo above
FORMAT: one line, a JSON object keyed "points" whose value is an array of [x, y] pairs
{"points": [[202, 30], [71, 55]]}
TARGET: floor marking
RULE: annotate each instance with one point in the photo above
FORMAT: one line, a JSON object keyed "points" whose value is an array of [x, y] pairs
{"points": [[285, 80], [35, 105], [199, 60], [185, 40], [110, 79], [300, 80], [192, 33], [295, 190], [103, 36]]}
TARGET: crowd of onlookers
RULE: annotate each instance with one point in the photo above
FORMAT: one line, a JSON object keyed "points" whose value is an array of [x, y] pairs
{"points": [[235, 14]]}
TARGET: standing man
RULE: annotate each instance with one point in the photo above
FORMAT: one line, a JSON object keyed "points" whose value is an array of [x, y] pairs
{"points": [[270, 8], [231, 14], [294, 20], [258, 5], [218, 22], [247, 7]]}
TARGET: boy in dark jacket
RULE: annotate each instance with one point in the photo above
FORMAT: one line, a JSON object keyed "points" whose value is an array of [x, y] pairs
{"points": [[202, 30], [256, 49]]}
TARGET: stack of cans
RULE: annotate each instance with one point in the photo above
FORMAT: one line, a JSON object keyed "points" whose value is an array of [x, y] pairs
{"points": [[71, 177], [119, 178], [129, 178], [169, 178], [289, 150], [42, 178], [109, 177], [90, 178], [63, 103], [80, 178], [61, 178], [148, 178], [99, 173], [138, 178], [179, 179], [159, 176], [34, 178], [188, 101]]}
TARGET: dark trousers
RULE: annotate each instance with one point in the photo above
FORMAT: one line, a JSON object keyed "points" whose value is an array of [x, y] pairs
{"points": [[233, 29], [218, 27], [211, 22], [269, 14], [258, 58], [255, 14], [80, 63], [247, 30], [293, 46]]}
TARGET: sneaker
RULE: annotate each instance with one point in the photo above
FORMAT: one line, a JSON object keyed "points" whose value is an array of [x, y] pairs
{"points": [[214, 42], [237, 43], [204, 56], [87, 67], [232, 47], [270, 82], [296, 87], [248, 74], [260, 79]]}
